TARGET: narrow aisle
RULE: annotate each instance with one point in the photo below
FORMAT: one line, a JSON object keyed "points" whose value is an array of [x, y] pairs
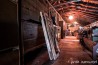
{"points": [[72, 53]]}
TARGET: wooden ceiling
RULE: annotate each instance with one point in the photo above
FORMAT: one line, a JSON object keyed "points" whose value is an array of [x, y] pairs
{"points": [[84, 11]]}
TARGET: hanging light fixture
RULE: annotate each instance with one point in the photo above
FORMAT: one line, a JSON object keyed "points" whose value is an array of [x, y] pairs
{"points": [[70, 17]]}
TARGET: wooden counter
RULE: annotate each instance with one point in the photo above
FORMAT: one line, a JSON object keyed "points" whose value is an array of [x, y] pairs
{"points": [[89, 43]]}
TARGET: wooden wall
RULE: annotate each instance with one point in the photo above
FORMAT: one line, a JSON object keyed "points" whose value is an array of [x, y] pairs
{"points": [[8, 24], [9, 39], [32, 32]]}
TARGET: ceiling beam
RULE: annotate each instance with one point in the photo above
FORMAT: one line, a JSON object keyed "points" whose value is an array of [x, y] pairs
{"points": [[81, 10]]}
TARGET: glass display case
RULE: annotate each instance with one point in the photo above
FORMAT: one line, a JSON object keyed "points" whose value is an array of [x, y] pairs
{"points": [[95, 34]]}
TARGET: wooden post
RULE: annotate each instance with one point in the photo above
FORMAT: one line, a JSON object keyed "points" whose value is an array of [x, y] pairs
{"points": [[61, 25]]}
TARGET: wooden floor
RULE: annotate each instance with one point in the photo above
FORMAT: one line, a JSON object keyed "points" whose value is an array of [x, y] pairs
{"points": [[10, 57], [72, 53]]}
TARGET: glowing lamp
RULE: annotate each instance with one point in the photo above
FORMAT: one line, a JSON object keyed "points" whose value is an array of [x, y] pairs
{"points": [[70, 17]]}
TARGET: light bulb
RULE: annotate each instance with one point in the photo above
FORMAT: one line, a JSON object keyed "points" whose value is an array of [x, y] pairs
{"points": [[70, 17]]}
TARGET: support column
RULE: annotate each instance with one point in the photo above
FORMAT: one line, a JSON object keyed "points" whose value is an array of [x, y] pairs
{"points": [[61, 25]]}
